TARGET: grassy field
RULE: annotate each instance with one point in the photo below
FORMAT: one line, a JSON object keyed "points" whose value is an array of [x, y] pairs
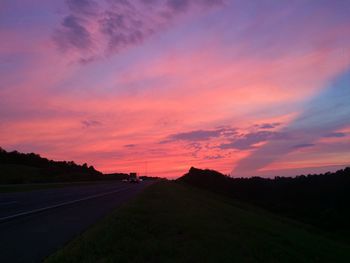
{"points": [[170, 222]]}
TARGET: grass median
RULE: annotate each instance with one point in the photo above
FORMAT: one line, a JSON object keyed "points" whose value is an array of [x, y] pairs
{"points": [[171, 222]]}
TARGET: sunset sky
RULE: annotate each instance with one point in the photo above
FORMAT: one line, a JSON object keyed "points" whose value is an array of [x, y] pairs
{"points": [[157, 86]]}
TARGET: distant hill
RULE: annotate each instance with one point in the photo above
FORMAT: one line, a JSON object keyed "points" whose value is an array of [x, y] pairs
{"points": [[319, 199], [16, 167]]}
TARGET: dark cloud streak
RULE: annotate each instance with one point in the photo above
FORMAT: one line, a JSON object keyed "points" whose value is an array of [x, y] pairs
{"points": [[201, 135], [268, 125], [248, 140], [303, 145], [335, 135]]}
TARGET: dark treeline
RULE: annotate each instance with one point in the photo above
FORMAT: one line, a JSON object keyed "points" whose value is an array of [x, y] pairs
{"points": [[19, 167], [123, 176], [319, 199], [35, 160], [145, 178]]}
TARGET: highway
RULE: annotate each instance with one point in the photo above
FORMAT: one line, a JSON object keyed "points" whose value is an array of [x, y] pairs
{"points": [[35, 224]]}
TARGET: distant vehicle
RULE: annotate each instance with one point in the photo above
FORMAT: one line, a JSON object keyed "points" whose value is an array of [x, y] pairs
{"points": [[134, 178]]}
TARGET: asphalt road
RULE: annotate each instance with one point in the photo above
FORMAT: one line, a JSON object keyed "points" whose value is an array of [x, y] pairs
{"points": [[35, 224]]}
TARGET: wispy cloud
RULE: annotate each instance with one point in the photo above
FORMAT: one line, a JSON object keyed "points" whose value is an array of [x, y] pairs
{"points": [[73, 34], [83, 7], [91, 123], [130, 145], [97, 29]]}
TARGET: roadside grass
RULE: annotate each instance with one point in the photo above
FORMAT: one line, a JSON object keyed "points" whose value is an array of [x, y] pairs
{"points": [[19, 174], [14, 173], [171, 222], [40, 186]]}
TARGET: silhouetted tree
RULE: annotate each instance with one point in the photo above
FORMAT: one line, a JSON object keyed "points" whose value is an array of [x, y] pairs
{"points": [[319, 199], [51, 170]]}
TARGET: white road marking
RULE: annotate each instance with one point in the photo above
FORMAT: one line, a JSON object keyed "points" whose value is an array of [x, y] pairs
{"points": [[60, 204]]}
